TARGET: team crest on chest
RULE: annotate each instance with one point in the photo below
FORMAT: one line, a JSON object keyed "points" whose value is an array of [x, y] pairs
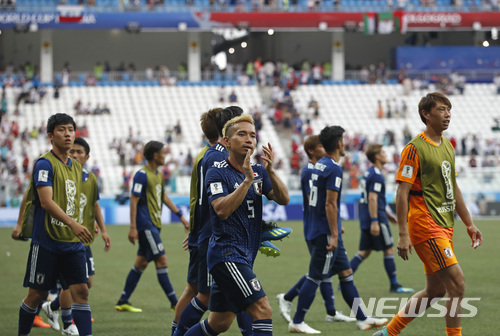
{"points": [[255, 284], [447, 252], [257, 185]]}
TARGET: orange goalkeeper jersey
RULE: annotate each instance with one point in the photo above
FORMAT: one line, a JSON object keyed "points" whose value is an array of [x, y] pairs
{"points": [[421, 225]]}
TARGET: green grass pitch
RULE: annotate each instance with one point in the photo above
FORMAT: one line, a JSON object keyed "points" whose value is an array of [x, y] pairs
{"points": [[276, 275]]}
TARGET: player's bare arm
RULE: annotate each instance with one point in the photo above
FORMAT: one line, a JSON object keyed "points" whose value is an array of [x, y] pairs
{"points": [[474, 233], [133, 236], [48, 204], [331, 214], [100, 224], [170, 204], [226, 205], [404, 243], [279, 193], [373, 209]]}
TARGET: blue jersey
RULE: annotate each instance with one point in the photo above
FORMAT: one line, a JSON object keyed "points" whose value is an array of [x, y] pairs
{"points": [[215, 154], [373, 181], [327, 175], [237, 238], [43, 175], [305, 186]]}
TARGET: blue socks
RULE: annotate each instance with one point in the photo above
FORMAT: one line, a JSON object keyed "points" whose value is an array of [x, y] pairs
{"points": [[326, 290], [83, 319], [162, 274], [294, 291], [66, 317], [192, 314], [262, 327], [350, 292], [306, 298], [245, 322], [132, 279], [201, 329], [26, 318], [55, 305], [390, 268], [358, 259]]}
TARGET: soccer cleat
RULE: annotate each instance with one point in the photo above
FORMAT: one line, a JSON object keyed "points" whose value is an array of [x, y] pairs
{"points": [[339, 317], [38, 322], [70, 330], [383, 332], [271, 231], [127, 306], [302, 328], [53, 316], [285, 307], [401, 289], [269, 249], [371, 322]]}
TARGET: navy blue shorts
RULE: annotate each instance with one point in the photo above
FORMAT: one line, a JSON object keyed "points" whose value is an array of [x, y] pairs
{"points": [[235, 288], [44, 268], [382, 242], [204, 277], [192, 276], [90, 260], [325, 263], [150, 245]]}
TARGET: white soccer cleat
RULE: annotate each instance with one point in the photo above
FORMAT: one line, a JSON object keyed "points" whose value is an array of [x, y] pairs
{"points": [[371, 322], [285, 307], [302, 328], [52, 316], [339, 317], [71, 330]]}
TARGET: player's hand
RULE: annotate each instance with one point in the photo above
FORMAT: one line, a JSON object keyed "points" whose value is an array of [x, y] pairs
{"points": [[268, 157], [82, 233], [247, 167], [404, 247], [334, 241], [133, 236], [375, 229], [342, 229], [96, 229], [185, 245], [107, 241], [185, 223], [475, 235]]}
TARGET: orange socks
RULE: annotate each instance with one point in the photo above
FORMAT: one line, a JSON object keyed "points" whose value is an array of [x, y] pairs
{"points": [[397, 324], [454, 331]]}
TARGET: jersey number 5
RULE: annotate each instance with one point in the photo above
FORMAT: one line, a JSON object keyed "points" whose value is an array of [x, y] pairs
{"points": [[251, 209], [313, 197]]}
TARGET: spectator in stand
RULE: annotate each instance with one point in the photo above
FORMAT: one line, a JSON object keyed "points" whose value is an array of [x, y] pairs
{"points": [[380, 110], [233, 98], [98, 69], [364, 75], [317, 73]]}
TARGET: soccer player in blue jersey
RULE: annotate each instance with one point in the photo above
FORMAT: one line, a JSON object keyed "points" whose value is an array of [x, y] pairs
{"points": [[209, 127], [235, 194], [90, 214], [56, 250], [374, 218], [328, 256], [198, 306], [146, 202], [315, 151]]}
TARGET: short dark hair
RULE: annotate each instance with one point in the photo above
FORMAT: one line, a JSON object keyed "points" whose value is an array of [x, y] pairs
{"points": [[83, 143], [151, 149], [372, 151], [429, 101], [209, 124], [227, 114], [59, 119], [330, 136], [310, 144]]}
